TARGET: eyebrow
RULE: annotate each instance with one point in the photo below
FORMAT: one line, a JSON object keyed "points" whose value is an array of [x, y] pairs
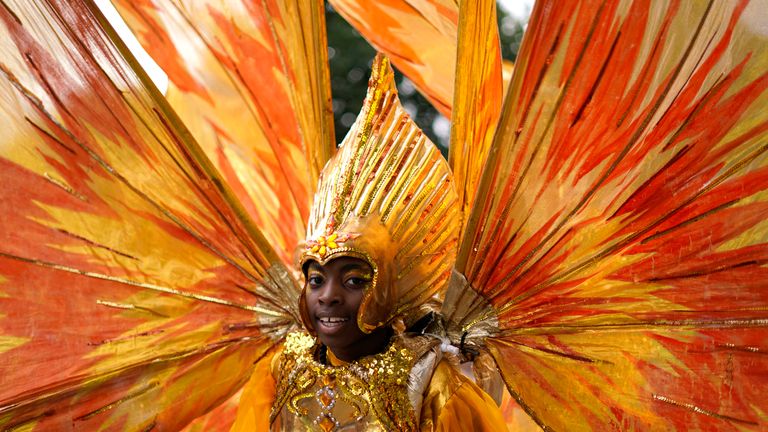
{"points": [[352, 266], [362, 267]]}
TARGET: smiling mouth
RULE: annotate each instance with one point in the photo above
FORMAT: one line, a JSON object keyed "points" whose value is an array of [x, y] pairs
{"points": [[332, 322]]}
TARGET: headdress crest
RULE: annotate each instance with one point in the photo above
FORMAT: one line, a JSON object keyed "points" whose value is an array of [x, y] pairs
{"points": [[388, 198]]}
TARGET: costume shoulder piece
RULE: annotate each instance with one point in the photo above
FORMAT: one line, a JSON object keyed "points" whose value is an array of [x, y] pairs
{"points": [[368, 394]]}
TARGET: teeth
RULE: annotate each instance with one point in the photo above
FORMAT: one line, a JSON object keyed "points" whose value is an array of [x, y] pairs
{"points": [[332, 320]]}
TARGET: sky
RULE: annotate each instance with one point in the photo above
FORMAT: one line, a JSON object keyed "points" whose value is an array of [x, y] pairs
{"points": [[519, 9], [155, 73]]}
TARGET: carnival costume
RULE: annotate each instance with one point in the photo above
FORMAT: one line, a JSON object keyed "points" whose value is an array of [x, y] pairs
{"points": [[388, 199], [598, 241]]}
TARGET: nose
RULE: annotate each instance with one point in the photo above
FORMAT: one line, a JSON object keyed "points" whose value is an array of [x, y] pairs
{"points": [[330, 293]]}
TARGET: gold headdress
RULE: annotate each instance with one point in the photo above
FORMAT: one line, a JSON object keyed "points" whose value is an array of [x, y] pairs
{"points": [[387, 198]]}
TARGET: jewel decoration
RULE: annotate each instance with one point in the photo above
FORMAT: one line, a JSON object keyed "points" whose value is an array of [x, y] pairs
{"points": [[326, 399], [327, 423], [326, 396], [324, 244]]}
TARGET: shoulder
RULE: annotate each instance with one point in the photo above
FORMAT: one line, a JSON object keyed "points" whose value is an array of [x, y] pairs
{"points": [[446, 380], [297, 346], [257, 396], [454, 402]]}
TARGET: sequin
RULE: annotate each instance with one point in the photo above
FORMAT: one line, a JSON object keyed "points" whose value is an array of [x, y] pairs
{"points": [[372, 390]]}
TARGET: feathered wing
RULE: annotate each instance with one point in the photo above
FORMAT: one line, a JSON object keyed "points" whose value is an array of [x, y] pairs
{"points": [[134, 292], [250, 79], [620, 235]]}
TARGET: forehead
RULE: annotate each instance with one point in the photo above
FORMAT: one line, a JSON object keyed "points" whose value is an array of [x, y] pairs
{"points": [[340, 264]]}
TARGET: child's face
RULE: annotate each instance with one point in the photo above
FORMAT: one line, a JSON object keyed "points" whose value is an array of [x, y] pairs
{"points": [[333, 295]]}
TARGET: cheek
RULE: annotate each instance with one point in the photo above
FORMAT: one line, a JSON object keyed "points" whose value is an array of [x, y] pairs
{"points": [[310, 299], [355, 298]]}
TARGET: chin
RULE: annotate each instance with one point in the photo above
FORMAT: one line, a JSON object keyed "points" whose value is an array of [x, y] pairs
{"points": [[338, 337]]}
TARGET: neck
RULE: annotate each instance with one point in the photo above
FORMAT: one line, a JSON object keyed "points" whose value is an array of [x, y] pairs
{"points": [[375, 343]]}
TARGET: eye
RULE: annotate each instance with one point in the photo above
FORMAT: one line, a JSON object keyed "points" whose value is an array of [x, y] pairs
{"points": [[356, 282], [314, 280]]}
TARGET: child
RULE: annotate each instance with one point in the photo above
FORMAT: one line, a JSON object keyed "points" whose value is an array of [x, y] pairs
{"points": [[380, 245]]}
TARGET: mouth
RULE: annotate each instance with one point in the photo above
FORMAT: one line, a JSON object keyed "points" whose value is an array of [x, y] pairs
{"points": [[332, 322]]}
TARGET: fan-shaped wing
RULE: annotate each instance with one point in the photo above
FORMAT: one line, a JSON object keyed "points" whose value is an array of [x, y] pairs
{"points": [[620, 237], [250, 79], [477, 99], [220, 419], [134, 291]]}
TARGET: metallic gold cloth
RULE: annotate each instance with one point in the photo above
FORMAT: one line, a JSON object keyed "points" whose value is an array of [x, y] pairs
{"points": [[388, 198], [450, 401], [613, 262]]}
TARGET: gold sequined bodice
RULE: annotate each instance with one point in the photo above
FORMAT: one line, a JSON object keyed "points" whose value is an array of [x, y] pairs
{"points": [[368, 394]]}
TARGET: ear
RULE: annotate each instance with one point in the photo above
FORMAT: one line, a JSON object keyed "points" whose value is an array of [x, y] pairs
{"points": [[303, 310]]}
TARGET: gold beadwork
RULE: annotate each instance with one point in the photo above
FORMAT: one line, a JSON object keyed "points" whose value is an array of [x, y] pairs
{"points": [[297, 343], [374, 387]]}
